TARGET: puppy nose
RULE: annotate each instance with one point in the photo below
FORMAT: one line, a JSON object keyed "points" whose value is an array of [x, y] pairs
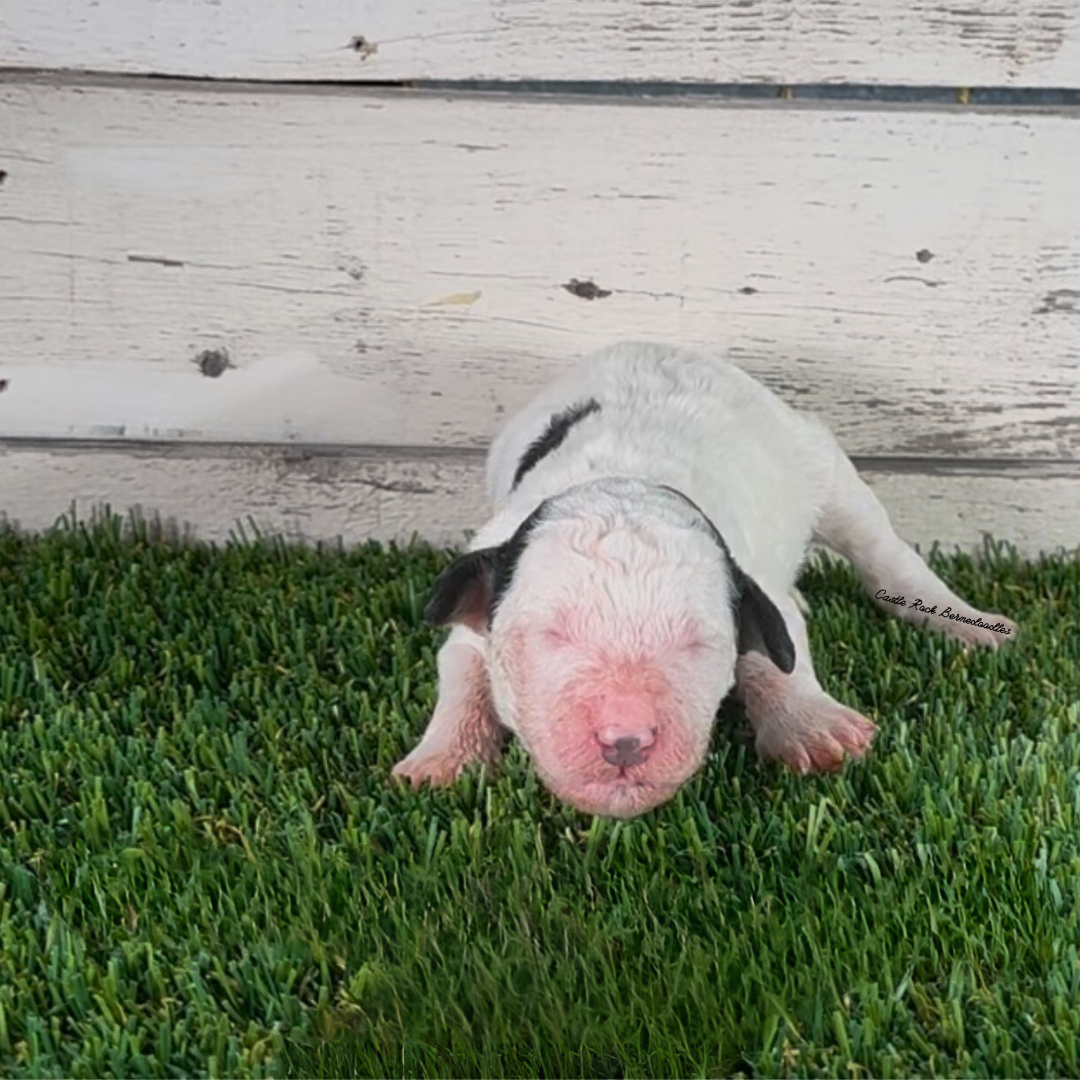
{"points": [[624, 752], [619, 748]]}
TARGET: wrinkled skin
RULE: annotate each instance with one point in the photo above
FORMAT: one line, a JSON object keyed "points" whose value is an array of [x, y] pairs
{"points": [[636, 642]]}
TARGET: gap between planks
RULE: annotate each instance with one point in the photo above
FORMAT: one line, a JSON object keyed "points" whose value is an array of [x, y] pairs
{"points": [[707, 95], [298, 451], [311, 493]]}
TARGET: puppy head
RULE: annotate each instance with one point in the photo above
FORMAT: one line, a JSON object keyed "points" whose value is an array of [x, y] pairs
{"points": [[613, 619]]}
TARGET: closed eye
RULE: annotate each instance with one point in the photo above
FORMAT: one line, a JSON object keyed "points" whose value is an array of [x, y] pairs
{"points": [[555, 638]]}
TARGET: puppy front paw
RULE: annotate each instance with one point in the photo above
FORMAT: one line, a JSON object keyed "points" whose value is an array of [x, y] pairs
{"points": [[814, 735], [440, 769], [442, 755]]}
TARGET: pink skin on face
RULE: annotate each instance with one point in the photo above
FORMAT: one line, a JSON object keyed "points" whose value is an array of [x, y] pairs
{"points": [[623, 719], [573, 704]]}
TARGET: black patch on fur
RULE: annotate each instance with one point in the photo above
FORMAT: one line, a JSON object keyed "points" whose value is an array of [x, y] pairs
{"points": [[460, 593], [554, 435], [509, 556], [760, 626], [473, 585]]}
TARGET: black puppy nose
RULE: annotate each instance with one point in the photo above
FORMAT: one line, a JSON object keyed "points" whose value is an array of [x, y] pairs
{"points": [[625, 751]]}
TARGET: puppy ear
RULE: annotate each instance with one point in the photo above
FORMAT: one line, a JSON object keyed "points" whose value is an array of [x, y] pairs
{"points": [[462, 593], [469, 590], [761, 626]]}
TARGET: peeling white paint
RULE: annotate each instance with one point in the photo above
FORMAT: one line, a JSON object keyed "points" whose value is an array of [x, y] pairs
{"points": [[991, 43], [312, 259]]}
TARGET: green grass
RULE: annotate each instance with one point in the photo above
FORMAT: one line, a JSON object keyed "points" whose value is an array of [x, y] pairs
{"points": [[204, 868]]}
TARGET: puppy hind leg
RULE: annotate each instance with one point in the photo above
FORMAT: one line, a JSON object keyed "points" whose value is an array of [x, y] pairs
{"points": [[464, 727], [854, 523]]}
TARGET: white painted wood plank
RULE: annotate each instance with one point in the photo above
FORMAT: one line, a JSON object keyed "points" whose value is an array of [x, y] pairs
{"points": [[390, 268], [919, 42], [309, 496], [283, 491], [1037, 510]]}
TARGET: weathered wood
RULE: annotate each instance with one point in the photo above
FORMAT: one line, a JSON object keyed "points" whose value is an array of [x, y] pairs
{"points": [[312, 493], [205, 491], [989, 43], [400, 269], [1036, 508]]}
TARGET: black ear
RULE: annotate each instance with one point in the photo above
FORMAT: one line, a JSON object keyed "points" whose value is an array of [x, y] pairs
{"points": [[463, 591], [471, 588], [761, 626]]}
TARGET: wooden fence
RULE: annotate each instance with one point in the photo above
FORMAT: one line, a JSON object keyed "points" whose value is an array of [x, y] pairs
{"points": [[270, 286]]}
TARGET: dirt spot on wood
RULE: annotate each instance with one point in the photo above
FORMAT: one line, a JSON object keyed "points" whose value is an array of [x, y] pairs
{"points": [[924, 255], [586, 290], [1065, 301], [355, 268], [160, 260], [213, 362], [3, 385], [362, 47]]}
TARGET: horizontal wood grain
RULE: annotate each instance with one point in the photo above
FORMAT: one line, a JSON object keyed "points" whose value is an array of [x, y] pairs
{"points": [[393, 268], [1030, 43], [207, 492], [322, 493]]}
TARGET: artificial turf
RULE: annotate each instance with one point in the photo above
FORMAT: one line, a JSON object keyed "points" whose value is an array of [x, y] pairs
{"points": [[205, 869]]}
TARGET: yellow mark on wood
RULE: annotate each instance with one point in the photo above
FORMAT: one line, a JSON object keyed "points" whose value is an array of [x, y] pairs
{"points": [[963, 95], [458, 299]]}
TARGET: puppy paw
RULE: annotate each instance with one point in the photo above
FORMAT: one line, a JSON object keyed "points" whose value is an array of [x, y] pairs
{"points": [[814, 734], [982, 636], [439, 769], [440, 760]]}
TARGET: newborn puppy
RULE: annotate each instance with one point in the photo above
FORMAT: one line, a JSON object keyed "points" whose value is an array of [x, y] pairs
{"points": [[652, 510]]}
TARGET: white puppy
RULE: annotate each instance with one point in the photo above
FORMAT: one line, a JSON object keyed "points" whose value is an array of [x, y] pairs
{"points": [[652, 510]]}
